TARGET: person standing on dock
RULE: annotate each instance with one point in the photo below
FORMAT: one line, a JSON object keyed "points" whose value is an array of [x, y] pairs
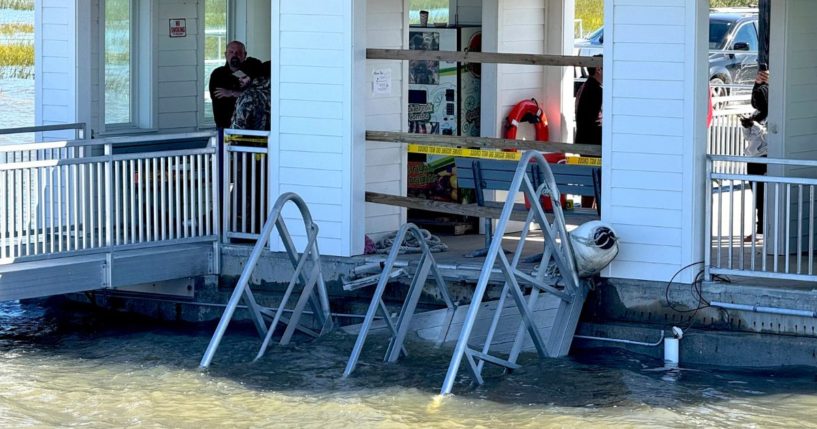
{"points": [[224, 90], [252, 112], [224, 87], [760, 101], [588, 113]]}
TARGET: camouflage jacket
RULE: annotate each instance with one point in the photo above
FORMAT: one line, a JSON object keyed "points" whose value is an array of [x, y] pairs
{"points": [[252, 108]]}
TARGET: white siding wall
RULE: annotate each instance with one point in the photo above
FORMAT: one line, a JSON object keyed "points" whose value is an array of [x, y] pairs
{"points": [[179, 79], [316, 91], [56, 63], [797, 52], [654, 98], [521, 29], [385, 163]]}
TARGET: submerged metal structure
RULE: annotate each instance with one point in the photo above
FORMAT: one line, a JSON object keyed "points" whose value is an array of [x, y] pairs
{"points": [[545, 317], [427, 266], [307, 273]]}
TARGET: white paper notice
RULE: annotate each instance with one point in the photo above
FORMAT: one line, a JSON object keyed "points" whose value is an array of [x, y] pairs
{"points": [[381, 82]]}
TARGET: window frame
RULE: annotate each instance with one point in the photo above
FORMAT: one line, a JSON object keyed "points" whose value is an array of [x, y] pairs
{"points": [[141, 67]]}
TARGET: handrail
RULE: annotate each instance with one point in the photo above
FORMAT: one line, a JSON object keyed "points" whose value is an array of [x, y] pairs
{"points": [[760, 225], [79, 127]]}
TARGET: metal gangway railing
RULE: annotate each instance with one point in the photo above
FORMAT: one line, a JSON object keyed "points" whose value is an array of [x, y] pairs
{"points": [[399, 328], [245, 182], [784, 201], [67, 198], [556, 276], [307, 273]]}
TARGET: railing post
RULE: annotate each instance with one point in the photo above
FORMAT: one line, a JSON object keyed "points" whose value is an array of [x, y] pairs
{"points": [[708, 219], [109, 195]]}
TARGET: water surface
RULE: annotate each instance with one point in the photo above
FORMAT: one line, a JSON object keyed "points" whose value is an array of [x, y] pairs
{"points": [[74, 367]]}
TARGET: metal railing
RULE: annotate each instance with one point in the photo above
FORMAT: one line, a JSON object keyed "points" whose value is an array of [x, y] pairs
{"points": [[80, 129], [84, 196], [784, 204], [245, 202], [725, 133]]}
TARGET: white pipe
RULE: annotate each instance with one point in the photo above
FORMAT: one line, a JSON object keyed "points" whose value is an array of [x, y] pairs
{"points": [[618, 340], [671, 352], [761, 309]]}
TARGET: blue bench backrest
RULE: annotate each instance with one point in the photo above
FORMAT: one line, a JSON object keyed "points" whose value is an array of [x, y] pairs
{"points": [[497, 175], [489, 175], [574, 179]]}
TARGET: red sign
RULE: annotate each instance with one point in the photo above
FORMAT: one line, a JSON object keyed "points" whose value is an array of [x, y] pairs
{"points": [[178, 27]]}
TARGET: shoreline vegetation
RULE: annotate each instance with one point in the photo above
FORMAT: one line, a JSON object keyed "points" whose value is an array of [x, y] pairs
{"points": [[17, 4], [16, 43]]}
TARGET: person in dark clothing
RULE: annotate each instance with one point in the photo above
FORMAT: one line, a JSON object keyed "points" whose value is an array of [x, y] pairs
{"points": [[252, 112], [224, 87], [760, 101], [252, 108], [588, 114], [588, 108], [224, 90]]}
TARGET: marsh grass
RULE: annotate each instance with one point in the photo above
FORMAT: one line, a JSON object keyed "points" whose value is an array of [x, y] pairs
{"points": [[17, 54], [17, 4], [591, 12], [16, 28]]}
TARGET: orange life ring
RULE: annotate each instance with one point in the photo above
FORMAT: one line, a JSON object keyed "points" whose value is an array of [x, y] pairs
{"points": [[527, 111]]}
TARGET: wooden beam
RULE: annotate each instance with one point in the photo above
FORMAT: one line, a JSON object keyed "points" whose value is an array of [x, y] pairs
{"points": [[484, 57], [441, 206], [482, 142]]}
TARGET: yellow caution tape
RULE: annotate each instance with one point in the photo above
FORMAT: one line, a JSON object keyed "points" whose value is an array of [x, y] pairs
{"points": [[584, 160], [491, 154], [244, 139], [468, 153]]}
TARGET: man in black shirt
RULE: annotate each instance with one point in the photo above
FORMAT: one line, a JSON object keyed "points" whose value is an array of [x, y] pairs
{"points": [[224, 90], [224, 87]]}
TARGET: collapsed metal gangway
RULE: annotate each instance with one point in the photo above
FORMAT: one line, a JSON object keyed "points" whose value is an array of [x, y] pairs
{"points": [[556, 276], [307, 274], [427, 266]]}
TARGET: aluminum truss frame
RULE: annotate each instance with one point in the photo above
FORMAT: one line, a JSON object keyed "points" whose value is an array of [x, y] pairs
{"points": [[557, 263], [307, 266], [427, 266]]}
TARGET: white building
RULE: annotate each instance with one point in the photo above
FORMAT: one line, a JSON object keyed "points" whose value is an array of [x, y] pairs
{"points": [[655, 99]]}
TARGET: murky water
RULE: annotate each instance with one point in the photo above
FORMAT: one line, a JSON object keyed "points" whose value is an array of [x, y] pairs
{"points": [[73, 367]]}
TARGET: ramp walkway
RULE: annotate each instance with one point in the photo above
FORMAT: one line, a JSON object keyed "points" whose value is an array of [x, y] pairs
{"points": [[79, 215]]}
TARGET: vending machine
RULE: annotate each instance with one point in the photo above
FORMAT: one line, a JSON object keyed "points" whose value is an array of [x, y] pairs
{"points": [[444, 98], [433, 84]]}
